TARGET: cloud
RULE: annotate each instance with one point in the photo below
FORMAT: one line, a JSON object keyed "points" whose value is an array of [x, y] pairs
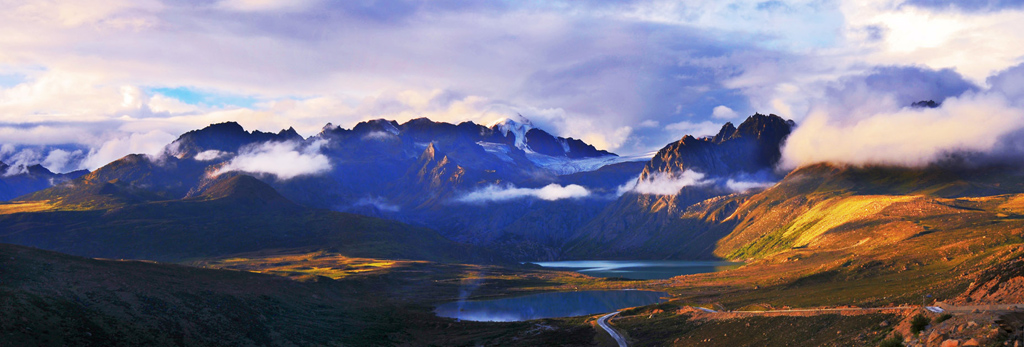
{"points": [[150, 143], [59, 160], [378, 202], [745, 186], [209, 155], [587, 70], [663, 183], [266, 5], [695, 129], [974, 122], [724, 112], [968, 5], [285, 160], [551, 192]]}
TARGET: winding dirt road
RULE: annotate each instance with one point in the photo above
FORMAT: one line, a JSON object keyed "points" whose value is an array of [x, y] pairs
{"points": [[603, 322]]}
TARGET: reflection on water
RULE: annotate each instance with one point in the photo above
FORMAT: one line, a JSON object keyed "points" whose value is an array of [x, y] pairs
{"points": [[639, 269], [548, 305]]}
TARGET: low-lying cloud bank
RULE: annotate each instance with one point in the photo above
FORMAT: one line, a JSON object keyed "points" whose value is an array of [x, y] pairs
{"points": [[671, 184], [664, 184], [739, 186], [209, 155], [551, 192], [979, 122], [286, 160]]}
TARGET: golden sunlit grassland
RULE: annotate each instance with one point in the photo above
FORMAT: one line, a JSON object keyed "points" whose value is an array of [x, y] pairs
{"points": [[24, 206], [422, 281]]}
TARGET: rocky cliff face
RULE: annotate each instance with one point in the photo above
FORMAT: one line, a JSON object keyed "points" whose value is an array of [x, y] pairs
{"points": [[686, 223], [753, 147]]}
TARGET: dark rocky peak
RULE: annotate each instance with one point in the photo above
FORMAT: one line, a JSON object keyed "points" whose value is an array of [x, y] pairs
{"points": [[289, 134], [926, 104], [761, 126], [727, 131], [541, 142], [752, 147], [38, 170], [377, 125], [580, 149], [423, 129], [226, 137]]}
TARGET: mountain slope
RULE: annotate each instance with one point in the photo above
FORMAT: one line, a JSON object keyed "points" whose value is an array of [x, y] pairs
{"points": [[687, 223], [838, 206], [237, 214]]}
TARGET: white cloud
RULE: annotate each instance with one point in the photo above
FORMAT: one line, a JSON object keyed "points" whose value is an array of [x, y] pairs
{"points": [[664, 184], [286, 160], [209, 155], [723, 112], [909, 137], [744, 186], [151, 143], [550, 192], [699, 129], [973, 43], [59, 160], [161, 103]]}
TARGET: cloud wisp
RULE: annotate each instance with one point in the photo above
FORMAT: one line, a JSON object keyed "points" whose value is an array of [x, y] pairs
{"points": [[285, 160], [551, 192]]}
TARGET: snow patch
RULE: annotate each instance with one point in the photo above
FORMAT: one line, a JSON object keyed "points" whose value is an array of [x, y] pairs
{"points": [[564, 143], [567, 166], [518, 129], [498, 150]]}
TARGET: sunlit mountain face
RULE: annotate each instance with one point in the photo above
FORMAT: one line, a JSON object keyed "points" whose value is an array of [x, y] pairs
{"points": [[646, 173]]}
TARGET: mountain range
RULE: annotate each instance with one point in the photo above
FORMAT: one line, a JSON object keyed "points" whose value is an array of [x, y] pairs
{"points": [[508, 187]]}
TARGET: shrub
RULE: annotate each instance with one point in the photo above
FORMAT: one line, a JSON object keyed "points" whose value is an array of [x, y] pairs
{"points": [[942, 318], [918, 323], [894, 341]]}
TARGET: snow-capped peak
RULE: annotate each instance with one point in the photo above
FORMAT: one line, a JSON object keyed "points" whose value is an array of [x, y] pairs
{"points": [[519, 129]]}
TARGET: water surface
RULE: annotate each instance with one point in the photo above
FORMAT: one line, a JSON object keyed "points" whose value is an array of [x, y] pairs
{"points": [[548, 305], [639, 269]]}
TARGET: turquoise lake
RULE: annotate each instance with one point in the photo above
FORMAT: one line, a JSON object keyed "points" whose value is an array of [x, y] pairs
{"points": [[639, 269], [548, 305]]}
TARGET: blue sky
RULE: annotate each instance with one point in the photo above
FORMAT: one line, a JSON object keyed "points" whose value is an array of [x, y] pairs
{"points": [[117, 77]]}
